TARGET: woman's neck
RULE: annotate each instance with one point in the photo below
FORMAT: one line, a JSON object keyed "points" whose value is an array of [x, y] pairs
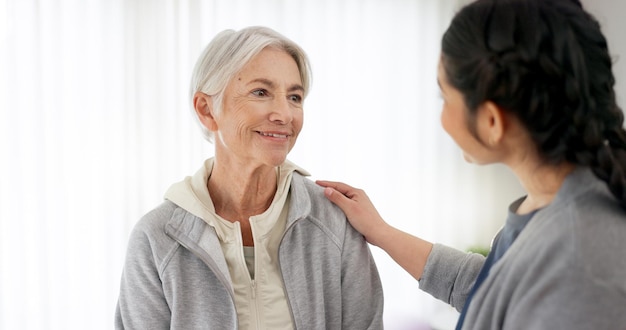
{"points": [[239, 192], [542, 183]]}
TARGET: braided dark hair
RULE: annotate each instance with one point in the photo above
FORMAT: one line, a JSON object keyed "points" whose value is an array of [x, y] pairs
{"points": [[547, 62]]}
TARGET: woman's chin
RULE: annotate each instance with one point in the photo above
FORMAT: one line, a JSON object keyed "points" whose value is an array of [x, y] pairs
{"points": [[275, 159]]}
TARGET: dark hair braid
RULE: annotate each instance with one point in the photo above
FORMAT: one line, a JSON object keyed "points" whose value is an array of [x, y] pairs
{"points": [[547, 62]]}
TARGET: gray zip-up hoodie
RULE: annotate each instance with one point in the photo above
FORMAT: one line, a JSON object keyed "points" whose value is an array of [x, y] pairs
{"points": [[175, 275]]}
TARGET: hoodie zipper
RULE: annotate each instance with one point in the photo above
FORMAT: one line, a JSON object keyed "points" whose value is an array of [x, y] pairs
{"points": [[280, 268], [254, 303]]}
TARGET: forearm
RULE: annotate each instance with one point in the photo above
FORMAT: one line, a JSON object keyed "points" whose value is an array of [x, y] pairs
{"points": [[408, 251]]}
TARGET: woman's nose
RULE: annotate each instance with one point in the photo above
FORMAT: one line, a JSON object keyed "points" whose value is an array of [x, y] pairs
{"points": [[281, 111]]}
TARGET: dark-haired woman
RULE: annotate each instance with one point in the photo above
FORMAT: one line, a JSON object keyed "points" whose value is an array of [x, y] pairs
{"points": [[529, 84]]}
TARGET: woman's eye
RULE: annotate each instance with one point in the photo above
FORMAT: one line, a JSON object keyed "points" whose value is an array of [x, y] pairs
{"points": [[295, 98], [259, 92]]}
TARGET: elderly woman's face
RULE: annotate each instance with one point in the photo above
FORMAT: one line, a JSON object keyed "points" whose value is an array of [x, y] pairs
{"points": [[262, 110]]}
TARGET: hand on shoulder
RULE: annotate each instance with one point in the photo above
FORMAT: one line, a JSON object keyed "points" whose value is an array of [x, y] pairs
{"points": [[358, 208]]}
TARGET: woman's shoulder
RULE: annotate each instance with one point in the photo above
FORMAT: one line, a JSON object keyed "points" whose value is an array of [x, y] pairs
{"points": [[156, 226], [311, 195], [309, 202], [157, 218], [585, 233], [596, 224], [593, 208]]}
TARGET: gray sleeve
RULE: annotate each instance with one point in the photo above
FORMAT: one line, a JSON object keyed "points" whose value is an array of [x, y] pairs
{"points": [[449, 274], [362, 293], [141, 303]]}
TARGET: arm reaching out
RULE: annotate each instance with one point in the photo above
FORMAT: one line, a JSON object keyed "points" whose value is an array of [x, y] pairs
{"points": [[408, 251]]}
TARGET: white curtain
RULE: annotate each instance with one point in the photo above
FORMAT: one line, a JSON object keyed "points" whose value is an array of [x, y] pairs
{"points": [[95, 125]]}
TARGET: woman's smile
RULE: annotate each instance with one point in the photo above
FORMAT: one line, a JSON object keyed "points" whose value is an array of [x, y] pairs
{"points": [[278, 135]]}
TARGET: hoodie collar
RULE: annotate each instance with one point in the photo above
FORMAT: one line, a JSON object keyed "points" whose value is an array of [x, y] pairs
{"points": [[192, 193]]}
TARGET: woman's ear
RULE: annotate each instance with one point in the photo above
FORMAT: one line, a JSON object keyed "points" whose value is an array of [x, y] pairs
{"points": [[491, 123], [203, 104]]}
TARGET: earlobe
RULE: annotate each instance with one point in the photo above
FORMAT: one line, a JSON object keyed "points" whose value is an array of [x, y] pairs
{"points": [[203, 104]]}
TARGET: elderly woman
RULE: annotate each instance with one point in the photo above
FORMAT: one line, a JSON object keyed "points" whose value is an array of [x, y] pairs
{"points": [[248, 242]]}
